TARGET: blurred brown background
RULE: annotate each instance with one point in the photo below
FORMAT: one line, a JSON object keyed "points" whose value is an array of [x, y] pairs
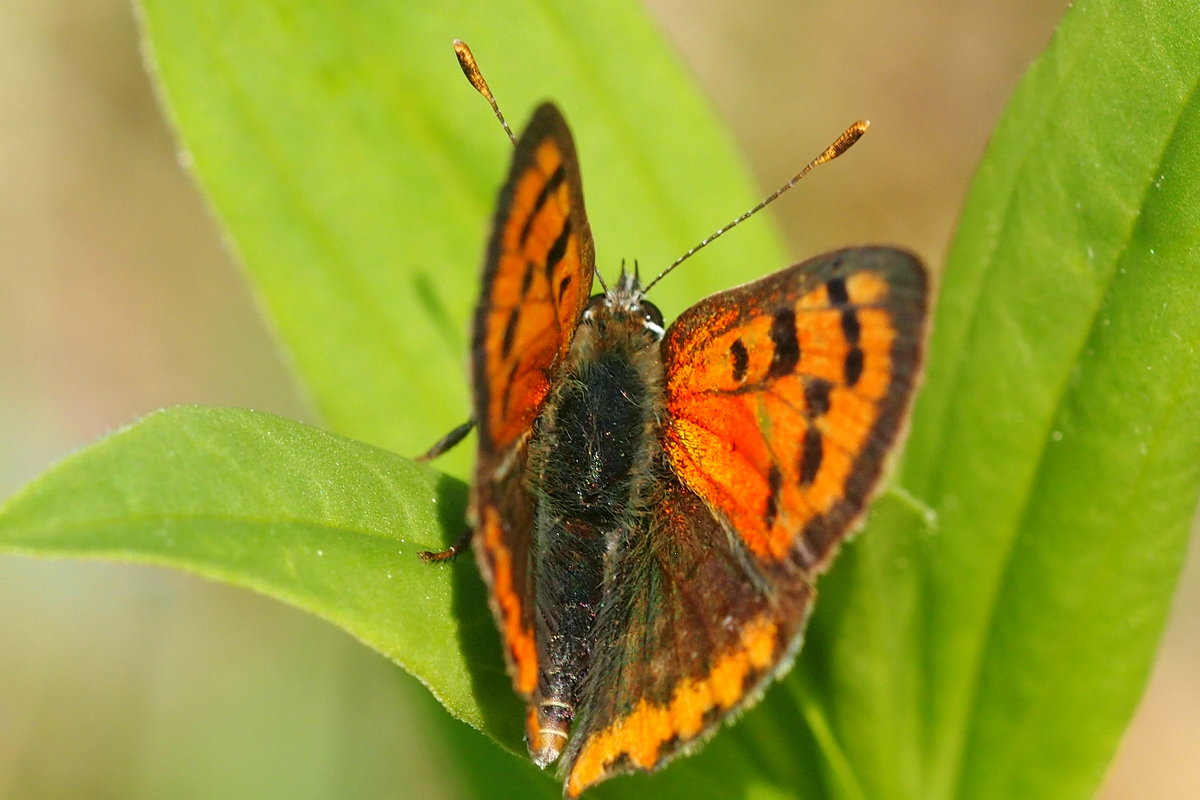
{"points": [[117, 298]]}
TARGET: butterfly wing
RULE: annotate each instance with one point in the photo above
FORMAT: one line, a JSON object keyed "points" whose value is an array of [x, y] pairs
{"points": [[783, 398], [537, 279]]}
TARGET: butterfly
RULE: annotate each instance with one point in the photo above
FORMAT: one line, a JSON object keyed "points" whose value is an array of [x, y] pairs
{"points": [[652, 504]]}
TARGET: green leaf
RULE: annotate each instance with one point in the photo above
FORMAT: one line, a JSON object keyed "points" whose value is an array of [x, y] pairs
{"points": [[328, 524], [356, 171], [1000, 651], [991, 630]]}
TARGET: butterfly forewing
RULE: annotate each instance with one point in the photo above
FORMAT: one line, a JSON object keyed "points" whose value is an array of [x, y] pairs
{"points": [[784, 396], [537, 278]]}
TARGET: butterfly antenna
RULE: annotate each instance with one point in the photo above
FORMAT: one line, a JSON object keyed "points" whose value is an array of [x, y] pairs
{"points": [[840, 145], [470, 68]]}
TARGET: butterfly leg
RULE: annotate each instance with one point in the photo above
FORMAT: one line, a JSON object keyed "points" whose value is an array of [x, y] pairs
{"points": [[461, 544], [446, 442]]}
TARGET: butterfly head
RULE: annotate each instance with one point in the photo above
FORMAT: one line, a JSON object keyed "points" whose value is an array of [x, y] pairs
{"points": [[625, 303]]}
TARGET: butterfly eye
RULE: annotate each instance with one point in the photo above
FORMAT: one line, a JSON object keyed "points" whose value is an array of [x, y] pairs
{"points": [[653, 318], [594, 302]]}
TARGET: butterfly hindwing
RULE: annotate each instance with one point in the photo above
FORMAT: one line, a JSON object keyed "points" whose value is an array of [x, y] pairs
{"points": [[784, 396], [689, 631], [537, 277]]}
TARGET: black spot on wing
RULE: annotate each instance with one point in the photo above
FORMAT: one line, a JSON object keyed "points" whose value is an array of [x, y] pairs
{"points": [[774, 483], [510, 330], [850, 327], [562, 286], [787, 347], [527, 278], [811, 454], [854, 365], [816, 396], [836, 289], [558, 249], [741, 360]]}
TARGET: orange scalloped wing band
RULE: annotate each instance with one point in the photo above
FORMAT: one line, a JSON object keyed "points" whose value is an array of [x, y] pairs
{"points": [[509, 604], [538, 278], [637, 740], [784, 396]]}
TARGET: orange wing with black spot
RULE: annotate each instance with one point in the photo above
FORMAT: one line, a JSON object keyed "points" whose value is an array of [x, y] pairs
{"points": [[785, 395], [536, 281]]}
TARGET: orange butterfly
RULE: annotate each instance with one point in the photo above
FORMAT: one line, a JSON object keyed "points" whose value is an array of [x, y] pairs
{"points": [[652, 505]]}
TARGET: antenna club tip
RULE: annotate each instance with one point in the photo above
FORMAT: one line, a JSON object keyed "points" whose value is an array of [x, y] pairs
{"points": [[853, 134], [470, 68], [466, 59]]}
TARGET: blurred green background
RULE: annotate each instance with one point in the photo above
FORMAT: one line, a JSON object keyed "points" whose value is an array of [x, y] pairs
{"points": [[117, 297]]}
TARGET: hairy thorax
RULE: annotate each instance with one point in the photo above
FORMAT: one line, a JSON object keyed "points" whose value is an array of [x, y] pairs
{"points": [[595, 440]]}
